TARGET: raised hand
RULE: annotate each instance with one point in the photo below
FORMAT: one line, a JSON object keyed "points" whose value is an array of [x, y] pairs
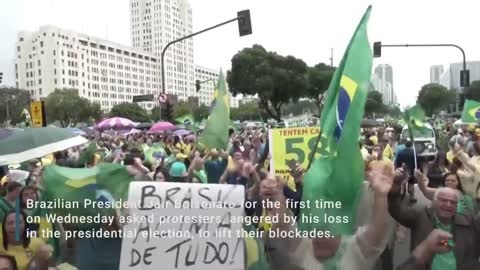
{"points": [[400, 174], [380, 180], [421, 178]]}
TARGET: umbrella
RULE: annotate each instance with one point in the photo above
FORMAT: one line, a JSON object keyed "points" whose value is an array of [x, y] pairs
{"points": [[115, 123], [182, 132], [17, 146], [77, 131], [161, 126]]}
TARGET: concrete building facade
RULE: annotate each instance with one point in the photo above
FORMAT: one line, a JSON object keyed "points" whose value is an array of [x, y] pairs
{"points": [[153, 24], [436, 72], [451, 77], [104, 72]]}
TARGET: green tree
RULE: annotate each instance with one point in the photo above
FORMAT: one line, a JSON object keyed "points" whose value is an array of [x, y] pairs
{"points": [[394, 111], [131, 111], [374, 103], [155, 114], [17, 100], [300, 107], [276, 79], [181, 108], [69, 109], [201, 113], [246, 111], [433, 98], [318, 79], [473, 91]]}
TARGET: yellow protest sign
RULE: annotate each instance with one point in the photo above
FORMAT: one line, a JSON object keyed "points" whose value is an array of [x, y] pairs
{"points": [[297, 144], [37, 113]]}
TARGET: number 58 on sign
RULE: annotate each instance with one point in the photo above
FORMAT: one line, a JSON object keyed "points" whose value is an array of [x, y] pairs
{"points": [[293, 144]]}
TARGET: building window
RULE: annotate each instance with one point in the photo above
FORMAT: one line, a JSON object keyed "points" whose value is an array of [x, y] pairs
{"points": [[39, 72], [38, 62], [41, 43]]}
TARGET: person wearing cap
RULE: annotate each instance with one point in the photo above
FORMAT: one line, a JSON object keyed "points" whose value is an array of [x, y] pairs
{"points": [[178, 170]]}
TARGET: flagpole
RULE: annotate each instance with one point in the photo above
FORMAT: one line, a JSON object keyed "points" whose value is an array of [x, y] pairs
{"points": [[312, 155], [414, 154]]}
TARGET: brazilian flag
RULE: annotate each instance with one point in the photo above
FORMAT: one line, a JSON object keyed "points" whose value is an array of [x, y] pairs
{"points": [[471, 111], [154, 152], [215, 134], [337, 173], [416, 120], [186, 120], [87, 154], [106, 182]]}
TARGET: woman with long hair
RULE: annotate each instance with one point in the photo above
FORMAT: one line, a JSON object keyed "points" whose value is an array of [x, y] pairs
{"points": [[25, 248]]}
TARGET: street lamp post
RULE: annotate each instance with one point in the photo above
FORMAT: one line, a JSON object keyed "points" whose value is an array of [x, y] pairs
{"points": [[464, 74], [243, 18]]}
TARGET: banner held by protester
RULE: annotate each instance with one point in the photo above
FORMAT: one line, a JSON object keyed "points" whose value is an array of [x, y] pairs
{"points": [[179, 226]]}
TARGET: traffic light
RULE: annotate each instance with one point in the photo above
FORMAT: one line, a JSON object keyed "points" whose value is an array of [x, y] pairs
{"points": [[1, 77], [167, 111], [377, 49], [464, 78], [197, 85], [244, 23]]}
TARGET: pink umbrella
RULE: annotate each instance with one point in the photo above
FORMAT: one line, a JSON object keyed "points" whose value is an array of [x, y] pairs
{"points": [[160, 126], [115, 123]]}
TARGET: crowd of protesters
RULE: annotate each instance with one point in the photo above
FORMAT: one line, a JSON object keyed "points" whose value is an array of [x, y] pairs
{"points": [[444, 224]]}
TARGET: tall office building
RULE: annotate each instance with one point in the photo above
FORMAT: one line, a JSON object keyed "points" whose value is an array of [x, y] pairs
{"points": [[385, 88], [154, 23], [436, 72], [451, 77], [103, 72], [383, 83], [385, 72]]}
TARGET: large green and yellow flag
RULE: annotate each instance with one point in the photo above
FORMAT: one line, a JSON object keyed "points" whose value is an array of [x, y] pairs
{"points": [[154, 152], [471, 111], [416, 120], [337, 173], [215, 134], [106, 183], [186, 120]]}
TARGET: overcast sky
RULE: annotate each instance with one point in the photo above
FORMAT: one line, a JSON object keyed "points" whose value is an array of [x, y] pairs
{"points": [[306, 29]]}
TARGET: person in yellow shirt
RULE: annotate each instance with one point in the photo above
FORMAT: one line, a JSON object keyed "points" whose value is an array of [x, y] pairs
{"points": [[26, 248], [387, 148]]}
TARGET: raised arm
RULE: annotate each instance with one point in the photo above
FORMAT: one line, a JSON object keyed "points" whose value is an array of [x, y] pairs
{"points": [[398, 209], [422, 181], [374, 237]]}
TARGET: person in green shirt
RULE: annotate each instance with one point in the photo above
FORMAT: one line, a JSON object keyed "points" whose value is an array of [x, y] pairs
{"points": [[7, 203], [465, 204]]}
